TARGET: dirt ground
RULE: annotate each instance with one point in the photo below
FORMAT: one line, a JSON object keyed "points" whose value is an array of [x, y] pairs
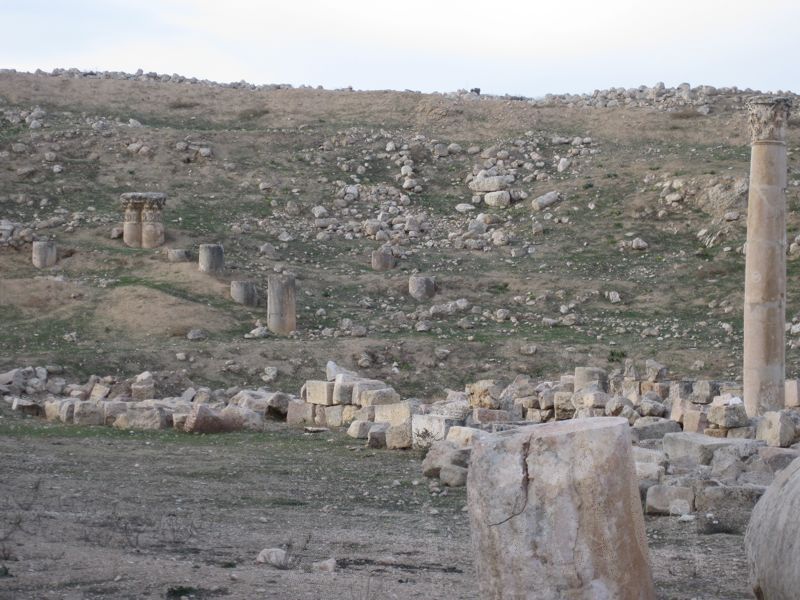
{"points": [[99, 513]]}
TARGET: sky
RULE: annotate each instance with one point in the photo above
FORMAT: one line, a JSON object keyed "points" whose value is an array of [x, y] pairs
{"points": [[518, 47]]}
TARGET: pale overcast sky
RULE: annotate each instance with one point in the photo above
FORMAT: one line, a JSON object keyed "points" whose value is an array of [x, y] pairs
{"points": [[519, 47]]}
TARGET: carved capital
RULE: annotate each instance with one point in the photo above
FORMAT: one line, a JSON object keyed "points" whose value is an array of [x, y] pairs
{"points": [[768, 116]]}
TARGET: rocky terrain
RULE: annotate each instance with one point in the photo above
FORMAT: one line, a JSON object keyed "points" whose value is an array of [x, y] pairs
{"points": [[532, 252]]}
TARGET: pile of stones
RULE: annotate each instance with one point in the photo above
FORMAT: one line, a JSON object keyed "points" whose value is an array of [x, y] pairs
{"points": [[136, 403]]}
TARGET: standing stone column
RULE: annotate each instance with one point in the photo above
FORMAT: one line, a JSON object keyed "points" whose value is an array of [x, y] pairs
{"points": [[765, 265], [44, 254], [244, 292], [211, 258], [281, 310], [132, 227], [152, 227], [555, 513]]}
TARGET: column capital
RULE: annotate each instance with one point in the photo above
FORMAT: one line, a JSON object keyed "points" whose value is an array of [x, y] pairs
{"points": [[768, 116]]}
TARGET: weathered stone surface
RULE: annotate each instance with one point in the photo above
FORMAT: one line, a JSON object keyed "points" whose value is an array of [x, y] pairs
{"points": [[453, 475], [144, 418], [204, 419], [653, 428], [399, 436], [771, 538], [421, 288], [776, 428], [699, 448], [728, 415], [395, 414], [376, 438], [426, 429], [319, 392], [558, 494], [88, 413], [300, 413], [359, 429], [669, 500], [444, 453], [730, 506], [378, 397], [464, 436]]}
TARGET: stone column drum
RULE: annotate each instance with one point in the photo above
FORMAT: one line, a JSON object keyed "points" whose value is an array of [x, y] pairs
{"points": [[44, 254], [211, 258], [132, 227], [244, 292], [555, 513], [765, 263], [152, 227], [281, 309]]}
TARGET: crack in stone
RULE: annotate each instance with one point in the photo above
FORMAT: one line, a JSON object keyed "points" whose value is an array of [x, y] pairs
{"points": [[516, 512]]}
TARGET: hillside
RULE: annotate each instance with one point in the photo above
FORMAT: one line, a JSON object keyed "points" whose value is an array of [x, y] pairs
{"points": [[267, 172]]}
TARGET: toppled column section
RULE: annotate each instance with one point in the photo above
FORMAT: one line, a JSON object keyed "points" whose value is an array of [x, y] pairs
{"points": [[765, 266], [555, 511], [211, 258], [281, 309], [771, 539], [44, 254], [143, 227]]}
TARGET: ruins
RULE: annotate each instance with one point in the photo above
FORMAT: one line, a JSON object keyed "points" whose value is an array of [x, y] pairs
{"points": [[765, 270], [281, 309], [143, 227], [472, 403], [44, 254]]}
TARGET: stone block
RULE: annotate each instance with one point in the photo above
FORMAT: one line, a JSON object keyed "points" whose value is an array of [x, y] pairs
{"points": [[694, 421], [488, 415], [704, 391], [453, 476], [112, 410], [562, 404], [319, 392], [426, 429], [144, 418], [730, 506], [792, 393], [378, 397], [748, 432], [777, 459], [518, 489], [99, 392], [728, 415], [399, 436], [202, 419], [395, 414], [365, 385], [585, 376], [143, 390], [349, 412], [441, 454], [51, 409], [88, 413], [343, 388], [653, 428], [669, 500], [464, 437], [300, 413], [776, 428], [648, 471], [698, 448], [376, 438], [334, 415], [359, 429]]}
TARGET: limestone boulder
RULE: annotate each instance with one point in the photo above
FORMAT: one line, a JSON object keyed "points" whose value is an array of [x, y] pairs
{"points": [[562, 494]]}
